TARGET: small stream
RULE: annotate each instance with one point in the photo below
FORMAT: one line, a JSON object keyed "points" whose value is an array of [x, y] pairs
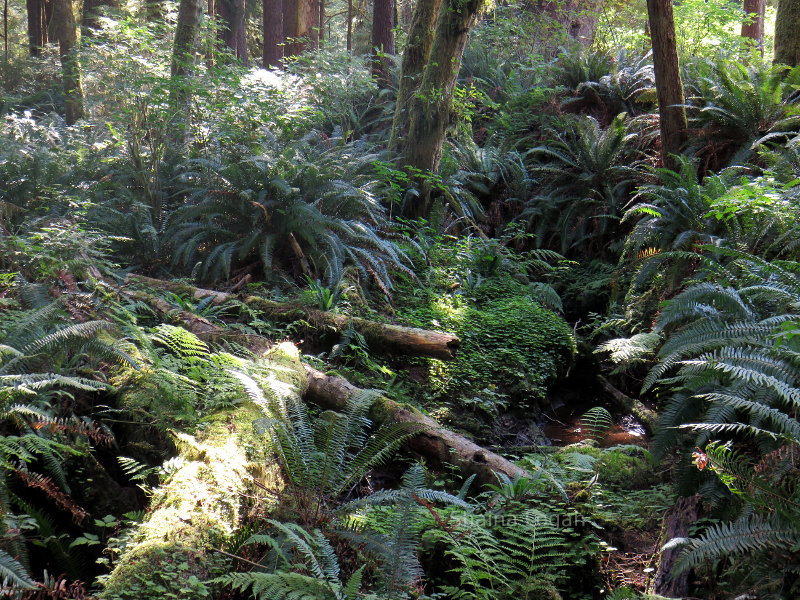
{"points": [[561, 425]]}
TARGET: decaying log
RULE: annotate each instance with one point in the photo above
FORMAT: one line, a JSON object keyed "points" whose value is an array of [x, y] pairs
{"points": [[200, 506], [646, 416], [436, 445], [381, 337]]}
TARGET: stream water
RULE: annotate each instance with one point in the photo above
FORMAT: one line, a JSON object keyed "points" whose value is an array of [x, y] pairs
{"points": [[561, 424]]}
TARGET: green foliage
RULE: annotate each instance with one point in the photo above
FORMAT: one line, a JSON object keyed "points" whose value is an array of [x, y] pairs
{"points": [[295, 548], [737, 109], [596, 422], [324, 457], [587, 172], [315, 194]]}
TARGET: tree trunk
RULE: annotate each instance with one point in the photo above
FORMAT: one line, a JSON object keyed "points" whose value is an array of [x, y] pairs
{"points": [[66, 32], [677, 522], [91, 12], [231, 18], [646, 416], [753, 28], [405, 340], [382, 39], [787, 26], [273, 33], [321, 21], [183, 57], [349, 25], [671, 110], [415, 57], [37, 25], [429, 107], [300, 26]]}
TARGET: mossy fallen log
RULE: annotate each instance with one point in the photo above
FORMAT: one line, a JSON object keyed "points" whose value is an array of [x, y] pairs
{"points": [[436, 444], [380, 336], [201, 504]]}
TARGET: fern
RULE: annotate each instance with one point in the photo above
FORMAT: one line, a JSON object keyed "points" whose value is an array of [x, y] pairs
{"points": [[596, 422]]}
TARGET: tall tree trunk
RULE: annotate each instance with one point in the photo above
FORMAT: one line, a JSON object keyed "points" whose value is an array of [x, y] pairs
{"points": [[787, 26], [91, 12], [415, 56], [231, 17], [37, 25], [66, 32], [349, 25], [429, 108], [753, 27], [382, 39], [273, 33], [300, 26], [183, 56], [671, 111]]}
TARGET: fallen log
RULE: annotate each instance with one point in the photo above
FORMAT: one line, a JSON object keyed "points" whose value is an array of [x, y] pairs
{"points": [[380, 336], [646, 416], [439, 446], [436, 444]]}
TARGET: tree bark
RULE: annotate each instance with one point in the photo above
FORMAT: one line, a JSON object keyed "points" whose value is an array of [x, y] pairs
{"points": [[646, 416], [393, 338], [37, 25], [300, 26], [429, 107], [415, 56], [753, 27], [349, 25], [382, 39], [183, 56], [787, 26], [91, 12], [677, 522], [671, 110], [231, 17], [273, 33], [66, 32]]}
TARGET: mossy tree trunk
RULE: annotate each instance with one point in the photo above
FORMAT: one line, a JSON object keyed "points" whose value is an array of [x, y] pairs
{"points": [[66, 32], [201, 505], [787, 39], [382, 39], [394, 338], [429, 107], [415, 56], [273, 33], [753, 26], [184, 50], [671, 111], [439, 446]]}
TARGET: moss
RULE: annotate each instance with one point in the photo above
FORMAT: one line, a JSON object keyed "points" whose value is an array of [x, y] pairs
{"points": [[199, 507], [509, 346]]}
